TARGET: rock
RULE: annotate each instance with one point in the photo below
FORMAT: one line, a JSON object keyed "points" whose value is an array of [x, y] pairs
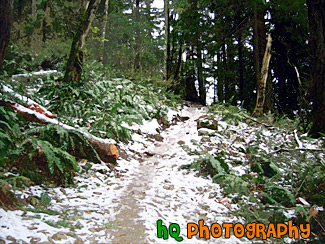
{"points": [[95, 230], [150, 154], [209, 123], [181, 142], [35, 240], [183, 118], [158, 137], [10, 238], [203, 132], [169, 187], [78, 241], [59, 236], [32, 227], [205, 139], [91, 239]]}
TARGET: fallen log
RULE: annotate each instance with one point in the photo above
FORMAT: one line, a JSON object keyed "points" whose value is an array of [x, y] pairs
{"points": [[105, 148]]}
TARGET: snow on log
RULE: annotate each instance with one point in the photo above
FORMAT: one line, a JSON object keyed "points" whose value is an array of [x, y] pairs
{"points": [[33, 76], [31, 104], [105, 148]]}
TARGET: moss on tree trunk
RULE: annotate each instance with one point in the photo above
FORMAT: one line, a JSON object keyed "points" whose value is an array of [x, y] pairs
{"points": [[77, 53]]}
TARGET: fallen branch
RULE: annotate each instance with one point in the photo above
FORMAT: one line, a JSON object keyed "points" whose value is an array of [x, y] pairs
{"points": [[105, 148], [297, 149]]}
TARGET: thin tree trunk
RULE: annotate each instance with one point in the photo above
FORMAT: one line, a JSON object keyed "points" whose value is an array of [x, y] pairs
{"points": [[201, 80], [225, 70], [220, 87], [33, 7], [5, 26], [167, 41], [231, 71], [44, 22], [76, 58], [179, 62], [191, 92], [241, 67], [137, 61], [105, 20], [316, 13], [261, 84]]}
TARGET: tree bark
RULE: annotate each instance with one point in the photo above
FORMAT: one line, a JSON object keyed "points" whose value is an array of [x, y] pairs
{"points": [[77, 53], [220, 85], [190, 92], [5, 26], [167, 41], [44, 22], [241, 66], [316, 19], [179, 61], [259, 39], [105, 20], [225, 70], [137, 46], [261, 84], [33, 7], [201, 80]]}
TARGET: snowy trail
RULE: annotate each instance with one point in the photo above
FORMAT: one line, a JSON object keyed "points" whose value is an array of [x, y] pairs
{"points": [[159, 190], [124, 208]]}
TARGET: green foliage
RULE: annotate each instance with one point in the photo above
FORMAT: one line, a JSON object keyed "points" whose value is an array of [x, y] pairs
{"points": [[270, 188], [232, 184], [229, 113], [32, 154], [106, 105]]}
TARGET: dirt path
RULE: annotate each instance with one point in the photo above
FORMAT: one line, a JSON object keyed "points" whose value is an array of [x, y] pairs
{"points": [[125, 208], [159, 190]]}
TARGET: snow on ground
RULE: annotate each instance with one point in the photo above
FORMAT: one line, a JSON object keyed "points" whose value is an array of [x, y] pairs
{"points": [[105, 207], [148, 185]]}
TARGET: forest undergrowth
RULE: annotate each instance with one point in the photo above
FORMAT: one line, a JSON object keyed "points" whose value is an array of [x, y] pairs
{"points": [[269, 169]]}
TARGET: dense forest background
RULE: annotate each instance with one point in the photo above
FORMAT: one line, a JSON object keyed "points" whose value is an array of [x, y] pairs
{"points": [[197, 45], [114, 75]]}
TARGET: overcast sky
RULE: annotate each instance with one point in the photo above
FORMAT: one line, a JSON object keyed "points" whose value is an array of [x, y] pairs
{"points": [[158, 4]]}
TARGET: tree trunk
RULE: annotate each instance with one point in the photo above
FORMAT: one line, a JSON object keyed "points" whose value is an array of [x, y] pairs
{"points": [[77, 53], [137, 46], [220, 87], [225, 70], [190, 92], [259, 39], [316, 13], [167, 41], [179, 62], [105, 20], [231, 71], [44, 22], [5, 25], [261, 84], [241, 67], [201, 80], [33, 7]]}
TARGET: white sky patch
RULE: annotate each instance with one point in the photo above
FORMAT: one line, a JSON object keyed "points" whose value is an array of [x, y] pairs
{"points": [[158, 4]]}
